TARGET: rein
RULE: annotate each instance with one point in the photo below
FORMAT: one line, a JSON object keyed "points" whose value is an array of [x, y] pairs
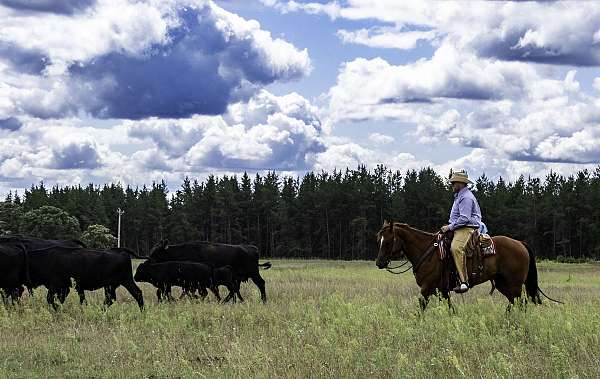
{"points": [[421, 260], [389, 269]]}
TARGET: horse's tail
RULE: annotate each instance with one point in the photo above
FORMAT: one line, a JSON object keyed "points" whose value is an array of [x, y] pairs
{"points": [[531, 283]]}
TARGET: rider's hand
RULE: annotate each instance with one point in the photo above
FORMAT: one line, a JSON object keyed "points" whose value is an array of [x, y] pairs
{"points": [[445, 228]]}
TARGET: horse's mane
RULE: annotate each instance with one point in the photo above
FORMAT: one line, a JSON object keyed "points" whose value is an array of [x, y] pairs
{"points": [[406, 226]]}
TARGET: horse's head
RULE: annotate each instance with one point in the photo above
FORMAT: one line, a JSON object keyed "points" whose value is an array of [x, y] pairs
{"points": [[391, 246]]}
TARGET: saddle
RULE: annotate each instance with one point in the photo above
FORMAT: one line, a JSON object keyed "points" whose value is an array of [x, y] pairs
{"points": [[479, 247]]}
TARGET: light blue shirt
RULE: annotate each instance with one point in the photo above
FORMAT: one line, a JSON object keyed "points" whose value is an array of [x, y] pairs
{"points": [[465, 210]]}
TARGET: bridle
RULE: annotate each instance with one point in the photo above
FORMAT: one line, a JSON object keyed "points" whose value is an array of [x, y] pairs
{"points": [[430, 249]]}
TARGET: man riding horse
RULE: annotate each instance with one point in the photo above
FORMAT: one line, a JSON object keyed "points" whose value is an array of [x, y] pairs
{"points": [[510, 267], [465, 218]]}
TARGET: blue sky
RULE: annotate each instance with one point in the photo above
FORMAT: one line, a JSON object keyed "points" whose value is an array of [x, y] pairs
{"points": [[136, 91], [317, 33]]}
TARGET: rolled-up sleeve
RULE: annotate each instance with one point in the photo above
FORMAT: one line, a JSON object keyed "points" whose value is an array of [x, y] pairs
{"points": [[465, 209]]}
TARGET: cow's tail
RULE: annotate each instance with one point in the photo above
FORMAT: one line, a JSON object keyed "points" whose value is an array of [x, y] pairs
{"points": [[266, 265], [26, 270]]}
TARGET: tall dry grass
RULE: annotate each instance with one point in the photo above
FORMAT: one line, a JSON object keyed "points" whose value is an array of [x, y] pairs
{"points": [[323, 319]]}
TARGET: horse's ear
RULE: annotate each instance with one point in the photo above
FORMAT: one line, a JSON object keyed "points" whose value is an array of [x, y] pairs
{"points": [[165, 243], [386, 223]]}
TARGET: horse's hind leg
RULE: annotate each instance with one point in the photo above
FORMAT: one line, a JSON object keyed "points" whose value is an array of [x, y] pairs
{"points": [[510, 293], [493, 286]]}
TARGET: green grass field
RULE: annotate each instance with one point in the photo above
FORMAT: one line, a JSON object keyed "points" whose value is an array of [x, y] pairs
{"points": [[323, 319]]}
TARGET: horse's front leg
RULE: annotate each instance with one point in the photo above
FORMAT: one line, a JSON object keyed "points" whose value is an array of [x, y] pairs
{"points": [[446, 295], [423, 301]]}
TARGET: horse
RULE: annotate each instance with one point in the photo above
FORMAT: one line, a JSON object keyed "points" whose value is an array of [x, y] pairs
{"points": [[509, 269]]}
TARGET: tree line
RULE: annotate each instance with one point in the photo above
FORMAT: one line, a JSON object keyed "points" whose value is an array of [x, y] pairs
{"points": [[332, 215]]}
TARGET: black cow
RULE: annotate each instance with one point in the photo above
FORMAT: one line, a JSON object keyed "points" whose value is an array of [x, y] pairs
{"points": [[32, 243], [242, 258], [41, 255], [14, 272], [90, 269], [190, 276], [31, 246], [225, 276]]}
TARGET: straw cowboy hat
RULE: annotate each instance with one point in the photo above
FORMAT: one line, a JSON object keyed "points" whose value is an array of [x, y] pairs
{"points": [[460, 176]]}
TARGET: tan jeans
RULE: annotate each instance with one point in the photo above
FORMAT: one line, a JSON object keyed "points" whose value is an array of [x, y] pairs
{"points": [[457, 248]]}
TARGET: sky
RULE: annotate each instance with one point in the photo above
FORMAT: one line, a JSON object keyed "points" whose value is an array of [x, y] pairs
{"points": [[140, 91]]}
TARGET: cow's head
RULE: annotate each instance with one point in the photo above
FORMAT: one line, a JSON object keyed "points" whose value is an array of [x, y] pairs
{"points": [[159, 249], [390, 245]]}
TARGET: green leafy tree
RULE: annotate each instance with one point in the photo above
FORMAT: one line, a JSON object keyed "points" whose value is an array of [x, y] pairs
{"points": [[49, 222], [10, 216], [99, 237]]}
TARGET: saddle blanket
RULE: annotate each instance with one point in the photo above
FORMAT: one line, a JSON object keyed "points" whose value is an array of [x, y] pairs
{"points": [[481, 244]]}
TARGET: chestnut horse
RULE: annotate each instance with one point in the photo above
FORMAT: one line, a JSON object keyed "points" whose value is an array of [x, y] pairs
{"points": [[512, 267]]}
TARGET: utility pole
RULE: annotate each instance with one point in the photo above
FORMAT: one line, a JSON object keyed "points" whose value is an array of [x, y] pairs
{"points": [[119, 212]]}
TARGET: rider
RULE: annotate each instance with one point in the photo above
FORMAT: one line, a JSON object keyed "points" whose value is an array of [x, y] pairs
{"points": [[465, 218]]}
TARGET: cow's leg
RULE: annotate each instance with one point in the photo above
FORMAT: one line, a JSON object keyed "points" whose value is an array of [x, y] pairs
{"points": [[108, 299], [81, 294], [167, 292], [50, 299], [159, 294], [237, 290], [135, 291], [203, 293], [4, 296], [215, 291], [230, 295], [195, 289], [62, 293], [189, 291], [260, 283], [108, 294], [15, 295]]}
